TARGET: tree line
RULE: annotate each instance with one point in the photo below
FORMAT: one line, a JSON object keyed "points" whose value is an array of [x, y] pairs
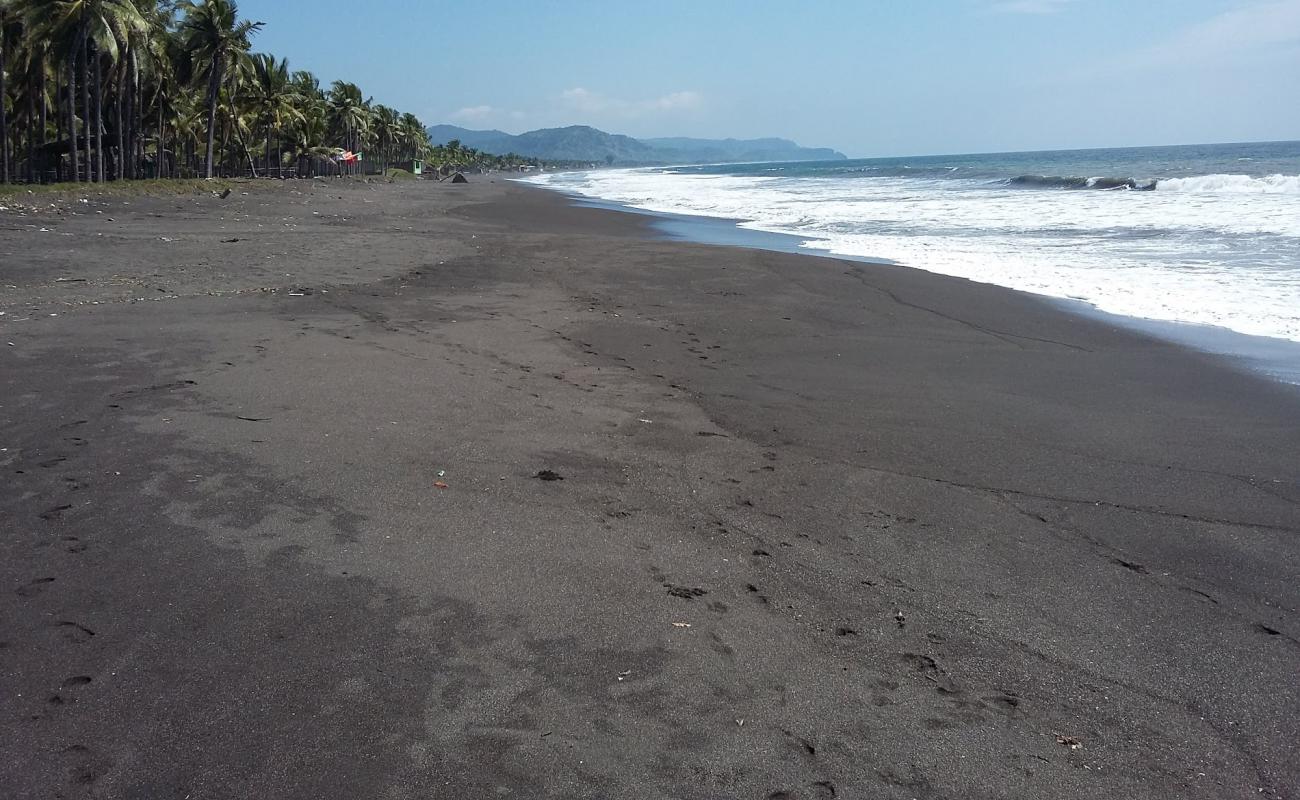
{"points": [[104, 90]]}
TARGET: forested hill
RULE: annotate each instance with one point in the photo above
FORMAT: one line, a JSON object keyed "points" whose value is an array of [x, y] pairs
{"points": [[583, 143]]}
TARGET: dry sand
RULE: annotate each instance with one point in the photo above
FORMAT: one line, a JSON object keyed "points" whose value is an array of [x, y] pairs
{"points": [[825, 529]]}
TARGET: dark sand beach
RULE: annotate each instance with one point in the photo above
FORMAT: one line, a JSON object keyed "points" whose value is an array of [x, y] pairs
{"points": [[824, 529]]}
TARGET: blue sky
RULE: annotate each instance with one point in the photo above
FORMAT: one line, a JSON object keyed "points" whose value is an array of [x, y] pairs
{"points": [[868, 77]]}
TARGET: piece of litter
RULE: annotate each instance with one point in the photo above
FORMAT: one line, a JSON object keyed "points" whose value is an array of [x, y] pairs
{"points": [[647, 421], [1069, 741], [624, 674], [440, 484], [548, 475], [681, 624], [442, 472], [740, 722]]}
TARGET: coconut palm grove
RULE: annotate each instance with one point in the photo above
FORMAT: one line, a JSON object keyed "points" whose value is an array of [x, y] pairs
{"points": [[108, 90]]}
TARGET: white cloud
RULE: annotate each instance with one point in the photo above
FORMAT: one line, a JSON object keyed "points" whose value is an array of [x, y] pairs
{"points": [[589, 102], [679, 101], [1030, 6], [1251, 30], [486, 114], [1239, 31], [584, 100], [472, 113]]}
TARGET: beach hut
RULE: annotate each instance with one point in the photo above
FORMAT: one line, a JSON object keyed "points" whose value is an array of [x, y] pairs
{"points": [[417, 167]]}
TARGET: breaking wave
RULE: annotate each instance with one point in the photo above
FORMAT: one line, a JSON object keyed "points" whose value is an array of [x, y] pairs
{"points": [[1233, 184], [1069, 182], [1200, 184]]}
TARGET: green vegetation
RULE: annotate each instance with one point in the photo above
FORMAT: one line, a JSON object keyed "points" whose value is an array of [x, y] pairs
{"points": [[107, 90], [454, 156]]}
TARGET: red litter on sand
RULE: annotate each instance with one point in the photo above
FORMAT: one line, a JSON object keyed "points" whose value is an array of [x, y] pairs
{"points": [[440, 484]]}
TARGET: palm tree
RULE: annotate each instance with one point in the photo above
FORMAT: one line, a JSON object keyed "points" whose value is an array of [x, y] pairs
{"points": [[270, 95], [214, 36], [5, 20], [86, 32], [350, 114], [386, 122], [96, 89]]}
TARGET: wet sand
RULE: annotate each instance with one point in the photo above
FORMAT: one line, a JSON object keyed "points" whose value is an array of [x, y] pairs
{"points": [[824, 529]]}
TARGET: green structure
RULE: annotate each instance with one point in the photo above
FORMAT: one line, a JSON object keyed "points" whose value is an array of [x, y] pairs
{"points": [[417, 167]]}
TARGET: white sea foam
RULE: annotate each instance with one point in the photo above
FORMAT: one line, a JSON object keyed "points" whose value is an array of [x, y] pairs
{"points": [[1233, 184], [1218, 250]]}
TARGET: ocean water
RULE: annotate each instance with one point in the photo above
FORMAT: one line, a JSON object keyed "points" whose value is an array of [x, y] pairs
{"points": [[1206, 234]]}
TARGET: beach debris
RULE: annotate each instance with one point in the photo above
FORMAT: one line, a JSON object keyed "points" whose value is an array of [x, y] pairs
{"points": [[624, 674], [224, 194], [459, 178], [900, 619], [686, 592], [548, 475], [165, 239], [681, 624], [1069, 741], [231, 241], [442, 473], [252, 419], [439, 485], [69, 280]]}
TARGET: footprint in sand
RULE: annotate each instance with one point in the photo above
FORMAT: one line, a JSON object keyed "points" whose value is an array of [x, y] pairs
{"points": [[33, 588]]}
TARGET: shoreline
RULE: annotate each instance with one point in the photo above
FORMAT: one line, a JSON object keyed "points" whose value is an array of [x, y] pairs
{"points": [[824, 528], [1277, 358]]}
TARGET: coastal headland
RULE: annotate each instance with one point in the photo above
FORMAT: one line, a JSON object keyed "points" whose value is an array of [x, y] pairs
{"points": [[336, 490]]}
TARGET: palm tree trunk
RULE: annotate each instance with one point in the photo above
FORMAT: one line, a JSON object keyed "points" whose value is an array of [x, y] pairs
{"points": [[31, 128], [158, 159], [86, 120], [99, 118], [134, 119], [4, 120], [120, 172], [214, 87], [74, 148], [40, 82]]}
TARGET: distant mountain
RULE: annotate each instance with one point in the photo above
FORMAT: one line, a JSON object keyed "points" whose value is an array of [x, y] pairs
{"points": [[584, 143]]}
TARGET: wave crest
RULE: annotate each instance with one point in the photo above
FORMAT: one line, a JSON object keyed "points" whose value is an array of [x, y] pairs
{"points": [[1071, 182], [1200, 184], [1233, 184]]}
